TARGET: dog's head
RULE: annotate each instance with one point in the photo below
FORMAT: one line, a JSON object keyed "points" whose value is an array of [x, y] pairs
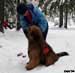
{"points": [[34, 33]]}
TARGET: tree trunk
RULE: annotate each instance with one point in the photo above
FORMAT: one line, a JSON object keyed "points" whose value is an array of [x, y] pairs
{"points": [[66, 14], [46, 5], [61, 16], [41, 2], [18, 25], [1, 15]]}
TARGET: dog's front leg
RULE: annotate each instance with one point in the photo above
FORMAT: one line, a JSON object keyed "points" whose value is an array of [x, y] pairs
{"points": [[34, 60]]}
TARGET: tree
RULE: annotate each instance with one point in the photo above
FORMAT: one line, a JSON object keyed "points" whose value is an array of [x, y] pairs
{"points": [[57, 7], [41, 2], [63, 6], [61, 15], [44, 4], [1, 15], [66, 13]]}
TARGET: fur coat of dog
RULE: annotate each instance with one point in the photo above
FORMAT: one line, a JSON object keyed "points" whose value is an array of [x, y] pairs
{"points": [[39, 51]]}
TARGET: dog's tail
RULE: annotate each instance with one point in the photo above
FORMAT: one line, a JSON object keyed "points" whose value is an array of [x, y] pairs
{"points": [[62, 54]]}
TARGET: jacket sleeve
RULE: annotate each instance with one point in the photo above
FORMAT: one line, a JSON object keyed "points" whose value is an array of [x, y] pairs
{"points": [[23, 22]]}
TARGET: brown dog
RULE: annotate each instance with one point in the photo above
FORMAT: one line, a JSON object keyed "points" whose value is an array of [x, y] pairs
{"points": [[39, 51]]}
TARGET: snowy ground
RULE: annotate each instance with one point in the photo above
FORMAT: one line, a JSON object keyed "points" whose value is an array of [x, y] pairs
{"points": [[13, 42]]}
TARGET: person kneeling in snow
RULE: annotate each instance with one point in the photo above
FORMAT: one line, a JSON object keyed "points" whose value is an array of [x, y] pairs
{"points": [[29, 15]]}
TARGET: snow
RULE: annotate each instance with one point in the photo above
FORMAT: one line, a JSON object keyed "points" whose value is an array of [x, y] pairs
{"points": [[54, 23], [13, 42]]}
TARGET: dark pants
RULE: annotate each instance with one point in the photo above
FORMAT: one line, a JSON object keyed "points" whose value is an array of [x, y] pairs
{"points": [[45, 33]]}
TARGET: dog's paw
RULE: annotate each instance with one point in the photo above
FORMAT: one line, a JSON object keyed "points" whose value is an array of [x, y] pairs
{"points": [[19, 54], [24, 56], [28, 67]]}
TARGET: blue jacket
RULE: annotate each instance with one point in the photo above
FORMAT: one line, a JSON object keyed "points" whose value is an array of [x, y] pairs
{"points": [[37, 17]]}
